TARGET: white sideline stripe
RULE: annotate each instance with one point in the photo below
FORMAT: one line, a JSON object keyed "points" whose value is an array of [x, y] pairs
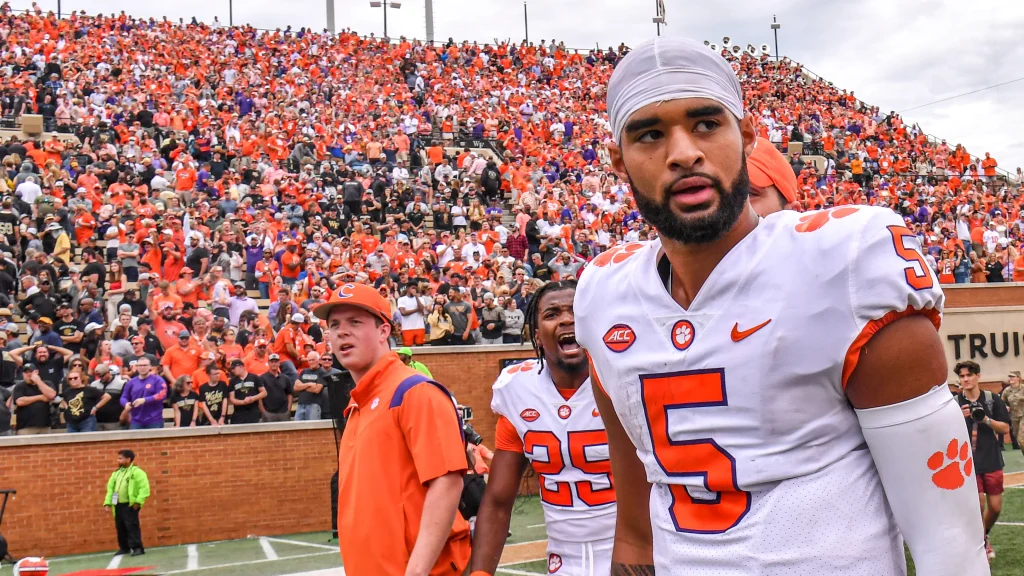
{"points": [[326, 572], [1009, 523], [114, 562], [517, 572], [535, 526], [193, 557], [268, 549], [247, 563], [300, 543]]}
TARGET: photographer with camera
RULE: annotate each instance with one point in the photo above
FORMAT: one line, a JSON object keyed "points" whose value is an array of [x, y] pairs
{"points": [[986, 417]]}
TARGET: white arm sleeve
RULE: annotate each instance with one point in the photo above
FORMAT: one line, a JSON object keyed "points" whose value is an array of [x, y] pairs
{"points": [[922, 452]]}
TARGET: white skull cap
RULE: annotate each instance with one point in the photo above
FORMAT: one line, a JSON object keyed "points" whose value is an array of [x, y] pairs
{"points": [[667, 68]]}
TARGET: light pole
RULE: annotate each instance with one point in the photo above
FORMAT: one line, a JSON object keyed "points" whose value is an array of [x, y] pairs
{"points": [[231, 13], [526, 22], [659, 14], [385, 5], [330, 16], [775, 29]]}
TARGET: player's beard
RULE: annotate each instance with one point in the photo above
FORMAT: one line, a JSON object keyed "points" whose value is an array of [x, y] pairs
{"points": [[704, 229]]}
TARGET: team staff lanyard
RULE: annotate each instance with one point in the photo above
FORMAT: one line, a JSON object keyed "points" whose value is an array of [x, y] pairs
{"points": [[122, 478]]}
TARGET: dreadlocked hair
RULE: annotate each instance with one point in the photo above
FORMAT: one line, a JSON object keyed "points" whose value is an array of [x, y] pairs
{"points": [[533, 311]]}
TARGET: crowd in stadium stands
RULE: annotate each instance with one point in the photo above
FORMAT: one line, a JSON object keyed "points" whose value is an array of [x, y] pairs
{"points": [[226, 180]]}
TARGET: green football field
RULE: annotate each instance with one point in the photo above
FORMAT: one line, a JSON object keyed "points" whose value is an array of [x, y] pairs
{"points": [[314, 554]]}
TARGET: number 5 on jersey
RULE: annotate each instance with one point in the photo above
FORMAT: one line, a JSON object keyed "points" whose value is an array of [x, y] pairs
{"points": [[692, 390]]}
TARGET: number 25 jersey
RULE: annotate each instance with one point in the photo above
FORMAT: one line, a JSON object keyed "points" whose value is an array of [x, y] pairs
{"points": [[565, 441], [736, 405]]}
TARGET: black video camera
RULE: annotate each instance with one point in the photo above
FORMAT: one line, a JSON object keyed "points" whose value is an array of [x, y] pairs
{"points": [[471, 436], [978, 411]]}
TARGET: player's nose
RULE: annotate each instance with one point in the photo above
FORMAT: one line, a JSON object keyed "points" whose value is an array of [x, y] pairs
{"points": [[682, 149]]}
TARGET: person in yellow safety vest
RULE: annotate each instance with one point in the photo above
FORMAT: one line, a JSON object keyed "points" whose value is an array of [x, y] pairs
{"points": [[405, 353]]}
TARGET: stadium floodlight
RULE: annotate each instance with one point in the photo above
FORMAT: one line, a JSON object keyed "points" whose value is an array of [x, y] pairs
{"points": [[658, 20], [385, 5]]}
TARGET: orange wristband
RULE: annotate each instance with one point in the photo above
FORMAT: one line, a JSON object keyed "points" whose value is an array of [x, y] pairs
{"points": [[481, 573]]}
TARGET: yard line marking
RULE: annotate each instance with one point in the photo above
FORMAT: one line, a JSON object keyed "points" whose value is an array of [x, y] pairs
{"points": [[535, 526], [193, 557], [517, 572], [114, 562], [1009, 523], [246, 563], [325, 572], [300, 543], [268, 549]]}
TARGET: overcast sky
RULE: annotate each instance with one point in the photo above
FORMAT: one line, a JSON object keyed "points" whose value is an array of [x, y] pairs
{"points": [[896, 55]]}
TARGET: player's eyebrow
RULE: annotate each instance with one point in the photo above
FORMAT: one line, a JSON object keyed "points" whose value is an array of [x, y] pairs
{"points": [[706, 111], [639, 124]]}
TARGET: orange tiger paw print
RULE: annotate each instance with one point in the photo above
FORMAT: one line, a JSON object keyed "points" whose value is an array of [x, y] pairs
{"points": [[958, 466], [812, 222], [617, 254], [522, 366]]}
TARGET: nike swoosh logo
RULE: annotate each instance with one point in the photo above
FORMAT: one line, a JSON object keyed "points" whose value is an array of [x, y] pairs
{"points": [[738, 334]]}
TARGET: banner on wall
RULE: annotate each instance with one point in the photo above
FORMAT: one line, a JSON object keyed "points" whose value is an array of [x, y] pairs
{"points": [[992, 337]]}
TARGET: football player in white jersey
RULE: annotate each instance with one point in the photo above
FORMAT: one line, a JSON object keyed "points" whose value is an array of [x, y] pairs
{"points": [[548, 417], [773, 389]]}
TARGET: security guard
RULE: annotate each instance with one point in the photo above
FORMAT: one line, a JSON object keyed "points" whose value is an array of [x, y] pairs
{"points": [[405, 354], [127, 491], [403, 454]]}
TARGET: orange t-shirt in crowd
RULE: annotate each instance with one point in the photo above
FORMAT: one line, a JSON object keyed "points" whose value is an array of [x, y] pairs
{"points": [[287, 334], [290, 259], [257, 366], [408, 431], [181, 361]]}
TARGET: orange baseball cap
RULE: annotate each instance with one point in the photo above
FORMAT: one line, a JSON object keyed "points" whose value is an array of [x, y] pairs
{"points": [[361, 295], [766, 166]]}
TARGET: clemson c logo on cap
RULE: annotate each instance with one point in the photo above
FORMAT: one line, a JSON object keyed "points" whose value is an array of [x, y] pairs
{"points": [[346, 291]]}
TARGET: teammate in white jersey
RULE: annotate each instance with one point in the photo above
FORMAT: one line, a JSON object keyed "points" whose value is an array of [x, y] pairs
{"points": [[548, 417], [773, 389]]}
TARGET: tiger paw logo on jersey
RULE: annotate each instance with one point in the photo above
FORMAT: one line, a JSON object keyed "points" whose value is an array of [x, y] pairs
{"points": [[522, 367], [564, 411], [812, 222], [554, 563], [529, 414], [618, 254], [619, 338], [951, 476], [682, 334]]}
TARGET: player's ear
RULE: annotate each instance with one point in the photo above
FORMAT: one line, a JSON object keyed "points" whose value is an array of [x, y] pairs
{"points": [[618, 163], [749, 132]]}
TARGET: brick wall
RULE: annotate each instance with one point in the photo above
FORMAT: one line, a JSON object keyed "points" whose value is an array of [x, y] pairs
{"points": [[469, 377], [984, 295], [268, 479], [208, 484]]}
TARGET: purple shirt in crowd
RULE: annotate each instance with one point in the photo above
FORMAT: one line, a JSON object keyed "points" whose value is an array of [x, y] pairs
{"points": [[154, 390]]}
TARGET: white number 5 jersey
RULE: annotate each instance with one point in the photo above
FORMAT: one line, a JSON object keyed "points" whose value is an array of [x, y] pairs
{"points": [[736, 405], [566, 443]]}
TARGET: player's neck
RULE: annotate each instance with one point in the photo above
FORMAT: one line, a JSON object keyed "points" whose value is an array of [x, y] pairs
{"points": [[692, 264], [566, 380]]}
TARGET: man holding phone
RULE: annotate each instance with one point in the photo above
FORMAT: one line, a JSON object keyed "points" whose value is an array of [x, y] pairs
{"points": [[986, 417]]}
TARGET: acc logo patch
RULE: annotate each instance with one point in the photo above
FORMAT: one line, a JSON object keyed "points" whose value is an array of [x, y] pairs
{"points": [[564, 411], [554, 563], [682, 334], [619, 338], [529, 414]]}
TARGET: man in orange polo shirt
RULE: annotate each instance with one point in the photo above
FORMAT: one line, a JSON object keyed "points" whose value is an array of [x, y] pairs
{"points": [[181, 359], [403, 444]]}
